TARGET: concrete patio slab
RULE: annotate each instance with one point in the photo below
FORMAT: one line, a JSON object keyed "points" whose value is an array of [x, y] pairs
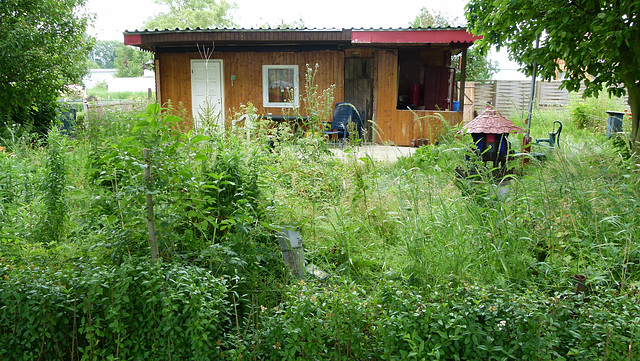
{"points": [[387, 153]]}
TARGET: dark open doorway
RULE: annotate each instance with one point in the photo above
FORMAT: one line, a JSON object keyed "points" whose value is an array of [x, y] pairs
{"points": [[358, 89]]}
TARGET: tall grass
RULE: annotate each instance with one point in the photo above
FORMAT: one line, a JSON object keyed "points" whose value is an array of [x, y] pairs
{"points": [[415, 224], [409, 219]]}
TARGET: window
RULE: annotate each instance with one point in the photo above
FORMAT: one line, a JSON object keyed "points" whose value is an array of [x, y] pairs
{"points": [[425, 79], [280, 86]]}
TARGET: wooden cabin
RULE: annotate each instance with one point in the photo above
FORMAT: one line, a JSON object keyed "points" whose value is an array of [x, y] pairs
{"points": [[402, 79]]}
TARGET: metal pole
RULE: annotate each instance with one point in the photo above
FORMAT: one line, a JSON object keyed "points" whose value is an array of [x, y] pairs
{"points": [[534, 74]]}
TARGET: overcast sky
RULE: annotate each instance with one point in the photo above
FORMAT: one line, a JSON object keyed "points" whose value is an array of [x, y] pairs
{"points": [[113, 17]]}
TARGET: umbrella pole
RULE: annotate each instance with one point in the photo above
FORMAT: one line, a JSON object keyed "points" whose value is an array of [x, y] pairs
{"points": [[526, 141], [532, 95]]}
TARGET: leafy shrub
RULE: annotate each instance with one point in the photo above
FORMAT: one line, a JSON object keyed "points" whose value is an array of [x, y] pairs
{"points": [[445, 323], [132, 311], [475, 323], [316, 322], [34, 120], [583, 119], [590, 113], [53, 188]]}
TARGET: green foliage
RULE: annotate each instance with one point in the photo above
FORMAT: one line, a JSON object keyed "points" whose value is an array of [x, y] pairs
{"points": [[595, 42], [421, 265], [133, 311], [313, 322], [590, 113], [43, 48], [193, 14], [206, 192], [343, 321], [101, 92], [583, 118], [479, 67], [432, 19], [130, 61], [103, 53], [35, 120], [54, 184], [92, 65], [159, 311]]}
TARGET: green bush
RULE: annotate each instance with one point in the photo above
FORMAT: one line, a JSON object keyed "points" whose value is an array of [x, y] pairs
{"points": [[133, 311], [506, 249], [53, 188], [315, 323], [445, 323], [590, 113]]}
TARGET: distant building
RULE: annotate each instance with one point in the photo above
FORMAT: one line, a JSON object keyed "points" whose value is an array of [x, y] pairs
{"points": [[107, 76]]}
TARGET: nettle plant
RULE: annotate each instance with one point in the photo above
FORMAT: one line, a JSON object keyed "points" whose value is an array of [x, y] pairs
{"points": [[121, 170], [53, 187], [205, 188]]}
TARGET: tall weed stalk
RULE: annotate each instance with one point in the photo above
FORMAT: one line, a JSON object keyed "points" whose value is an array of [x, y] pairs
{"points": [[52, 227]]}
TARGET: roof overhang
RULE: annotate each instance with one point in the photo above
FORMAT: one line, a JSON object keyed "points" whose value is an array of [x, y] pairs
{"points": [[414, 36], [237, 39], [294, 39]]}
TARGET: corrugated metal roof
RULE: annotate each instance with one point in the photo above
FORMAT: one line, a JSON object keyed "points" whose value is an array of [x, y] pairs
{"points": [[236, 39], [490, 122], [179, 30]]}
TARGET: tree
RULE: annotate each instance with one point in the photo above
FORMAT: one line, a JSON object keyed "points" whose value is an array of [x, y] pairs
{"points": [[43, 48], [130, 61], [597, 40], [104, 53], [432, 19], [192, 14], [296, 24], [479, 67]]}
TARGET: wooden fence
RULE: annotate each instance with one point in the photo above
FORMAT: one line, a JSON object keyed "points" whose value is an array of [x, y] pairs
{"points": [[511, 97], [95, 111]]}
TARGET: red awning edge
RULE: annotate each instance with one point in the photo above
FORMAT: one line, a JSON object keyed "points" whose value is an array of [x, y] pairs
{"points": [[409, 36], [132, 39]]}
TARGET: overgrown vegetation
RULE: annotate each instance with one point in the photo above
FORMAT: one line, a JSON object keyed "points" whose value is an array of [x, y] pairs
{"points": [[101, 92], [542, 265], [44, 47]]}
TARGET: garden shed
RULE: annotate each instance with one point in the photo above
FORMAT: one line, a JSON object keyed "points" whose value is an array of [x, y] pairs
{"points": [[402, 79]]}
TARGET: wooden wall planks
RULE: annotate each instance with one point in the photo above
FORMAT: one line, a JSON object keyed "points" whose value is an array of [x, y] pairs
{"points": [[399, 127], [246, 67]]}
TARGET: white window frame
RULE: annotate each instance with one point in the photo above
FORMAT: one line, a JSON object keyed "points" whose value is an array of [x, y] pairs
{"points": [[265, 87]]}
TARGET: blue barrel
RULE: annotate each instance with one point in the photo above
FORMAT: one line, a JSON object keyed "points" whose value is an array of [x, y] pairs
{"points": [[614, 122], [456, 106]]}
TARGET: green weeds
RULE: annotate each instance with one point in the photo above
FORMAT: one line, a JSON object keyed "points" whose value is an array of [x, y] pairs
{"points": [[423, 263]]}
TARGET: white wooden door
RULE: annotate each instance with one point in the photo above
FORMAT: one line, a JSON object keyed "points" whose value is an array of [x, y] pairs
{"points": [[207, 93]]}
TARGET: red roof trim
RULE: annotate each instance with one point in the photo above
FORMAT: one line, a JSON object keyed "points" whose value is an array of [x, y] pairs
{"points": [[412, 36], [132, 39]]}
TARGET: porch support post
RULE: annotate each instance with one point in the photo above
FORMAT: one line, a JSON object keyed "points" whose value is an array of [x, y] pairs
{"points": [[463, 79], [156, 68]]}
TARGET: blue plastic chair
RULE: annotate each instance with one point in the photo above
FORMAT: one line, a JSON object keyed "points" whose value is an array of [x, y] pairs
{"points": [[343, 114]]}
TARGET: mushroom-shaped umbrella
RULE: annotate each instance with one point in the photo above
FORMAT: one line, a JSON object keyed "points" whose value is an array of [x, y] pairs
{"points": [[489, 131]]}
